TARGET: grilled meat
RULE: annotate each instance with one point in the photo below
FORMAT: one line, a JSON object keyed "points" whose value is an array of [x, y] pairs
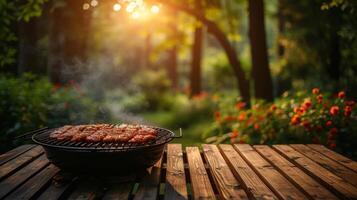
{"points": [[106, 133]]}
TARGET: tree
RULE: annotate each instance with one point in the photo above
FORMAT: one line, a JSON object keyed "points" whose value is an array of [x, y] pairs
{"points": [[68, 38], [263, 85], [11, 13], [212, 28], [195, 74]]}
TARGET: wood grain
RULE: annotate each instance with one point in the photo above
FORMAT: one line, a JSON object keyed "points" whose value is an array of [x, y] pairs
{"points": [[249, 179], [88, 188], [227, 184], [175, 173], [307, 184], [336, 184], [34, 184], [10, 166], [335, 156], [15, 152], [276, 181], [327, 163], [10, 183], [201, 185]]}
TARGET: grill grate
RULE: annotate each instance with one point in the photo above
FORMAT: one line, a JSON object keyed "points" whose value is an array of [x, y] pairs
{"points": [[43, 138]]}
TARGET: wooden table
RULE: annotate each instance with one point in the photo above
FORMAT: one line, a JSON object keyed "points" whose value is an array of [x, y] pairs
{"points": [[215, 172]]}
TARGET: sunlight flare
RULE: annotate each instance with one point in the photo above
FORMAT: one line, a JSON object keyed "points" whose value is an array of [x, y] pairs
{"points": [[94, 3], [155, 9], [116, 7]]}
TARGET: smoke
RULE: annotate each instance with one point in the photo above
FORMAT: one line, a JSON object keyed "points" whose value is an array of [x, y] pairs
{"points": [[105, 82]]}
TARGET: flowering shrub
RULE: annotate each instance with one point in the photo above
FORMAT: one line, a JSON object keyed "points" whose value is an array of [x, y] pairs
{"points": [[30, 102], [302, 118]]}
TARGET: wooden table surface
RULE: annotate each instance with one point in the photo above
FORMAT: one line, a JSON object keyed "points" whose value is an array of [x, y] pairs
{"points": [[215, 172]]}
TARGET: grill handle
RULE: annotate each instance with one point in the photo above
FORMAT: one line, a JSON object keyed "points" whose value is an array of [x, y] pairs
{"points": [[28, 135], [178, 136]]}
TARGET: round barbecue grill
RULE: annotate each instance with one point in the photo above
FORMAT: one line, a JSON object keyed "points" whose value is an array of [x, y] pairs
{"points": [[101, 157]]}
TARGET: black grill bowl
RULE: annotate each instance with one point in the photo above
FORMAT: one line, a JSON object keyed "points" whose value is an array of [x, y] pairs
{"points": [[103, 158]]}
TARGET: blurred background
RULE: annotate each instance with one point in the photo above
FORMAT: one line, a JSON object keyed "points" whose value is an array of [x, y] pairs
{"points": [[225, 71]]}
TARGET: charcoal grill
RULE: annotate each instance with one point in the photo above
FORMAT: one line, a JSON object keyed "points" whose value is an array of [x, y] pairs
{"points": [[101, 157]]}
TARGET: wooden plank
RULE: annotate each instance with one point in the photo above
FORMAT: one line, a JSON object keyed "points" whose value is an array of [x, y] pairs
{"points": [[175, 173], [149, 186], [33, 185], [119, 189], [15, 152], [336, 184], [276, 181], [10, 183], [23, 159], [201, 185], [307, 184], [335, 156], [250, 180], [88, 188], [228, 186], [334, 167], [61, 184]]}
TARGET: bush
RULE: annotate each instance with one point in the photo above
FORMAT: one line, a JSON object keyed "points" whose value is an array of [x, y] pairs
{"points": [[30, 102], [301, 118], [154, 86]]}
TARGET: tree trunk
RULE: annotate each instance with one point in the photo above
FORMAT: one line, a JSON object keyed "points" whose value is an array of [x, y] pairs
{"points": [[147, 51], [195, 74], [172, 67], [263, 86], [333, 68], [68, 39], [172, 53], [55, 53], [212, 28], [27, 56], [281, 28]]}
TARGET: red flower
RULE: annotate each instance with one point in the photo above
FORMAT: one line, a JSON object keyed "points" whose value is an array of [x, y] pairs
{"points": [[334, 110], [341, 95], [273, 107], [350, 103], [217, 116], [240, 105], [234, 134], [348, 111], [315, 91], [319, 98], [229, 118], [328, 123], [307, 125], [332, 145], [256, 126], [307, 103], [241, 116], [295, 120], [301, 110], [333, 131], [242, 141]]}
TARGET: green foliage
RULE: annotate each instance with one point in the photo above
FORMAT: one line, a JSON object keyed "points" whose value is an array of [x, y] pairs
{"points": [[30, 102], [12, 11], [329, 46], [300, 118], [154, 86]]}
